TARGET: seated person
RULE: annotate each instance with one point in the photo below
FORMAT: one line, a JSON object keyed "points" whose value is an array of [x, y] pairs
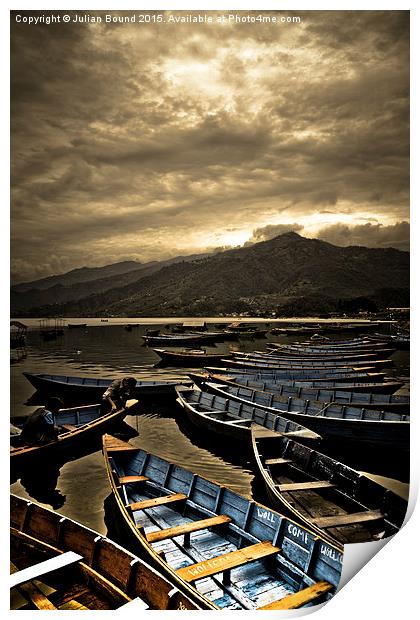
{"points": [[39, 428], [119, 392]]}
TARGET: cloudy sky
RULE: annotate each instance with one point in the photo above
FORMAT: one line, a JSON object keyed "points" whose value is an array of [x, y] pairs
{"points": [[150, 140]]}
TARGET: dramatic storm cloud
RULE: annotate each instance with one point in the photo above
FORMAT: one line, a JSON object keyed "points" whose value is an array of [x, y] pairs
{"points": [[148, 140]]}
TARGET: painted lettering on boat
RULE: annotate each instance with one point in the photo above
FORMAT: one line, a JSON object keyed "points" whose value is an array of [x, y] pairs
{"points": [[214, 563], [297, 532], [337, 557], [265, 514]]}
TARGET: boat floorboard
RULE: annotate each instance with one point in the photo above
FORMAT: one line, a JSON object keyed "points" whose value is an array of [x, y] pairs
{"points": [[251, 584], [314, 504]]}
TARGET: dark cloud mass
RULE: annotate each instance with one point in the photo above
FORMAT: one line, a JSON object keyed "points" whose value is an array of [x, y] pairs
{"points": [[145, 141]]}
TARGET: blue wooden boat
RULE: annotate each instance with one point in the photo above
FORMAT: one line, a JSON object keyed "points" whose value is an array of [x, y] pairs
{"points": [[336, 501], [59, 564], [272, 361], [189, 358], [332, 354], [232, 420], [77, 425], [93, 388], [272, 383], [222, 550], [347, 357], [321, 349], [241, 368], [178, 340], [367, 400], [380, 430]]}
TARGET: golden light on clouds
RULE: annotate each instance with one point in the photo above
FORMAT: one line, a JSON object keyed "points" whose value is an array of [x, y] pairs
{"points": [[147, 142]]}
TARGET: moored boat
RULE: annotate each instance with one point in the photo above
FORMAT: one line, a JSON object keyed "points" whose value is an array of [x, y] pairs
{"points": [[272, 361], [222, 550], [192, 359], [338, 502], [270, 382], [241, 368], [178, 340], [60, 564], [367, 400], [77, 425], [373, 429], [94, 388], [232, 420]]}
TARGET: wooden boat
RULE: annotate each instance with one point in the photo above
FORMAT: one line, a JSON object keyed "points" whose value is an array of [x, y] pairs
{"points": [[232, 420], [360, 375], [94, 388], [332, 353], [342, 423], [274, 361], [271, 383], [192, 358], [321, 349], [336, 501], [314, 357], [222, 550], [76, 325], [399, 341], [76, 425], [59, 564], [368, 400], [177, 340]]}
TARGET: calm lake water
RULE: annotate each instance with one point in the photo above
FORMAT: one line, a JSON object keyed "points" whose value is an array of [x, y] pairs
{"points": [[79, 487]]}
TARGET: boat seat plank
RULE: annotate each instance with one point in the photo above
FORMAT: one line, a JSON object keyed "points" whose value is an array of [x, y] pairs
{"points": [[130, 479], [157, 501], [68, 427], [279, 461], [32, 592], [32, 572], [348, 519], [187, 528], [293, 601], [227, 561], [73, 605], [305, 486]]}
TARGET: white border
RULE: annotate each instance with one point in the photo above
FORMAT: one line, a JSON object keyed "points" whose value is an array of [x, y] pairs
{"points": [[386, 587]]}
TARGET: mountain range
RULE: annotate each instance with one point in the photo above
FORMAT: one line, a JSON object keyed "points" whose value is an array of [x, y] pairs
{"points": [[263, 277]]}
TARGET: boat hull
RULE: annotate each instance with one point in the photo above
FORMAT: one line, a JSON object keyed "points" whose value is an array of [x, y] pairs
{"points": [[94, 388], [118, 573]]}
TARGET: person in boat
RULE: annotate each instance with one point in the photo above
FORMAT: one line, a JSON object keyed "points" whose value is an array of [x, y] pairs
{"points": [[40, 428], [119, 391]]}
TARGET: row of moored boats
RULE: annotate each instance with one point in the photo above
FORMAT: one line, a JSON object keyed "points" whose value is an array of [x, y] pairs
{"points": [[195, 544]]}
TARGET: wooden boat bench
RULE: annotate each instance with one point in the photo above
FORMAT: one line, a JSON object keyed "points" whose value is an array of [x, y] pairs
{"points": [[32, 572], [240, 422], [348, 519], [157, 501], [279, 461], [303, 597], [224, 563], [132, 479], [32, 592], [305, 486], [187, 528], [68, 427]]}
